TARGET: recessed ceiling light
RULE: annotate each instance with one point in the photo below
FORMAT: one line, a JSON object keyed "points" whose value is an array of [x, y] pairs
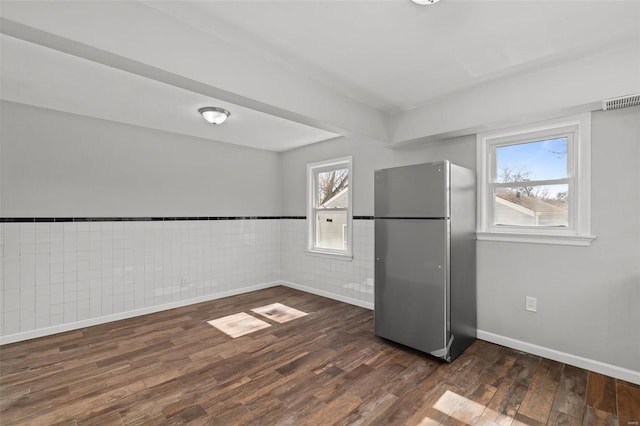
{"points": [[214, 115], [425, 2]]}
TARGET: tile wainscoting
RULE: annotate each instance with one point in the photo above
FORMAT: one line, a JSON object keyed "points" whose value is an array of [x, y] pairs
{"points": [[72, 273], [64, 273], [348, 280], [57, 273]]}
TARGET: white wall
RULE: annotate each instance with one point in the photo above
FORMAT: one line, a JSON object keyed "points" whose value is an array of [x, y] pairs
{"points": [[368, 155], [58, 164], [57, 276], [55, 164], [587, 297], [347, 280]]}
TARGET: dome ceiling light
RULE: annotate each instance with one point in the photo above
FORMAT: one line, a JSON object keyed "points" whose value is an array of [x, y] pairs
{"points": [[425, 2], [214, 115]]}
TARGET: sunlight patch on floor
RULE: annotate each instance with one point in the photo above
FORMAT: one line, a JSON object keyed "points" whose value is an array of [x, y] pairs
{"points": [[279, 313], [468, 411], [237, 325]]}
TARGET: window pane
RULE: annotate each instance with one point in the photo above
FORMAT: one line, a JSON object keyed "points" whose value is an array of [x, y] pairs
{"points": [[332, 188], [331, 230], [543, 205], [539, 160]]}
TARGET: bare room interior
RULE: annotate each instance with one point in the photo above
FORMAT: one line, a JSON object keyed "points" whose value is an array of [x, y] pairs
{"points": [[283, 212]]}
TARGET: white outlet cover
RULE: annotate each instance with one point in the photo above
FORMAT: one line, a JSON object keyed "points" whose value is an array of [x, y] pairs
{"points": [[531, 304]]}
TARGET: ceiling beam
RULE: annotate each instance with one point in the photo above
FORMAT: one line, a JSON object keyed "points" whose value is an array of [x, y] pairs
{"points": [[176, 54]]}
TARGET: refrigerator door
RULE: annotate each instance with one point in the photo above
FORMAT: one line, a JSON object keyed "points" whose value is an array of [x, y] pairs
{"points": [[411, 294], [420, 190]]}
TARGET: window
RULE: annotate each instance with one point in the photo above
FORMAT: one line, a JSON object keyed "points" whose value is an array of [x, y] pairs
{"points": [[329, 207], [534, 183]]}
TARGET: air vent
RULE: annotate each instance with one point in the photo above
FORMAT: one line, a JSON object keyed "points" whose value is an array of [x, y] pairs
{"points": [[621, 102]]}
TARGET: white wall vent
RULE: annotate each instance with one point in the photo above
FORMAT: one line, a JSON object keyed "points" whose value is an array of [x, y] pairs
{"points": [[621, 102]]}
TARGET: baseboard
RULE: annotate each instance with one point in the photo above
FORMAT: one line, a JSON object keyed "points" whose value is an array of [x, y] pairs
{"points": [[575, 360], [41, 332], [327, 294]]}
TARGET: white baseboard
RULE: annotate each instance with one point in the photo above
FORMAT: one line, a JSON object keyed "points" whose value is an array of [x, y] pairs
{"points": [[32, 334], [566, 358], [575, 360], [345, 299]]}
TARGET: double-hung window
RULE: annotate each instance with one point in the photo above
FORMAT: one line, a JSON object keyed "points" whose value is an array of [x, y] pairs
{"points": [[534, 183], [329, 206]]}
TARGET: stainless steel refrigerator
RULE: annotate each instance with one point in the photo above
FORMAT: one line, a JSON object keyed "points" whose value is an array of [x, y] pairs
{"points": [[425, 261]]}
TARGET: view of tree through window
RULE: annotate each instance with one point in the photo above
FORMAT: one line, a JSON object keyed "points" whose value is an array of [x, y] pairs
{"points": [[331, 183], [332, 198], [531, 186]]}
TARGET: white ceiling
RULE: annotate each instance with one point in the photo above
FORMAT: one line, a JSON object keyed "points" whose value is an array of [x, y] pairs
{"points": [[43, 77], [396, 55], [291, 72]]}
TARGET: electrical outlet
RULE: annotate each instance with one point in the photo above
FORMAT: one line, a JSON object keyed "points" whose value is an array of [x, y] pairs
{"points": [[531, 303]]}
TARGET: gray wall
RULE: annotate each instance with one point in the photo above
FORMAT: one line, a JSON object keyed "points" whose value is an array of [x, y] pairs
{"points": [[368, 155], [588, 297], [58, 164]]}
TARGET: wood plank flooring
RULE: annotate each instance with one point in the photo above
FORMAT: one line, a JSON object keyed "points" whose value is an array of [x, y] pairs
{"points": [[323, 368]]}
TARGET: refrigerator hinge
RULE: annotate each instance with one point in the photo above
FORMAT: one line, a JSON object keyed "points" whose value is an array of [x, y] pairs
{"points": [[444, 352]]}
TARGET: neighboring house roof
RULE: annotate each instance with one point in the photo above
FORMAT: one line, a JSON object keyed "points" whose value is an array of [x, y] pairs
{"points": [[545, 210], [338, 200]]}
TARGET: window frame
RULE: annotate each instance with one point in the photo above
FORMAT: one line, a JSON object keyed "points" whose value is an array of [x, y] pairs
{"points": [[313, 169], [577, 129]]}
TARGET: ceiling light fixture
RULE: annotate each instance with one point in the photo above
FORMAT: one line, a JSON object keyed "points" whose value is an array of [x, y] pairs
{"points": [[214, 115], [425, 2]]}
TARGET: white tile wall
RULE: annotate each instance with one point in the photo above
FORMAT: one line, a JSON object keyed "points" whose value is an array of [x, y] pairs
{"points": [[59, 273], [62, 272], [350, 279]]}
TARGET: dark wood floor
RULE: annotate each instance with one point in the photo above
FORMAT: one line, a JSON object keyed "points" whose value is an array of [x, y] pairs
{"points": [[324, 368]]}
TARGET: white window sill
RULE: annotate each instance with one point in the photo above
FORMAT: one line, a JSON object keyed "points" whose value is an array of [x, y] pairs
{"points": [[563, 240], [335, 255]]}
